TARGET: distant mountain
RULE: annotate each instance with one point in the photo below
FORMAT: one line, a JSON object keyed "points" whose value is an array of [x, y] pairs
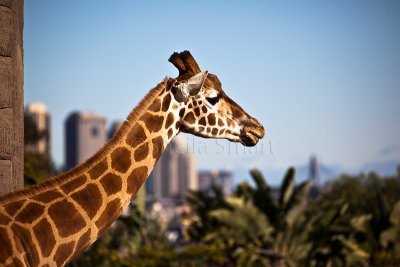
{"points": [[383, 168]]}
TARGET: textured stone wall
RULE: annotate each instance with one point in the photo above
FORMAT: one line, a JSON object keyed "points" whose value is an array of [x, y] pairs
{"points": [[11, 95]]}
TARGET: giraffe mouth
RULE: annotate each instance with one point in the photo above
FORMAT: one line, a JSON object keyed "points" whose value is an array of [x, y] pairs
{"points": [[251, 135]]}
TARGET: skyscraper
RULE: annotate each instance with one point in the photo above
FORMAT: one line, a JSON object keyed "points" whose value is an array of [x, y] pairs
{"points": [[313, 171], [85, 134], [37, 113], [174, 174]]}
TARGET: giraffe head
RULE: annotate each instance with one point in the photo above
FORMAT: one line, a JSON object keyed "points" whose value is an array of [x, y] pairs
{"points": [[206, 110]]}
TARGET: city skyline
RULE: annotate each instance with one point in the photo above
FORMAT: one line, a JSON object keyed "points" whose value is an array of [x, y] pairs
{"points": [[174, 174], [322, 77]]}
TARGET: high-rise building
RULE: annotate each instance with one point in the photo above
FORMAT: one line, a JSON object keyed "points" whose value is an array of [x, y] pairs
{"points": [[221, 178], [85, 134], [314, 176], [174, 174], [313, 171], [37, 113]]}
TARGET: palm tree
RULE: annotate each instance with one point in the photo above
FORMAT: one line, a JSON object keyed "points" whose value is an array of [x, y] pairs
{"points": [[245, 232], [199, 222], [284, 213], [332, 236]]}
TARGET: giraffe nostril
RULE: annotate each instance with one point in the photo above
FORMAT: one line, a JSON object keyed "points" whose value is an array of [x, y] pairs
{"points": [[261, 132]]}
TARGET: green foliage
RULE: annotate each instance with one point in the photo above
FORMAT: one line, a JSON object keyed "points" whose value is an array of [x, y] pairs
{"points": [[244, 230], [331, 237], [371, 200], [199, 221], [190, 256], [37, 168], [31, 133]]}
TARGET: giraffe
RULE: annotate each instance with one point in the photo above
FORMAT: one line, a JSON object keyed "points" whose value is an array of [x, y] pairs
{"points": [[51, 223]]}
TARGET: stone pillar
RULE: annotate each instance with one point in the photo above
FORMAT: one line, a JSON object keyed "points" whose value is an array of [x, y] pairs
{"points": [[11, 96]]}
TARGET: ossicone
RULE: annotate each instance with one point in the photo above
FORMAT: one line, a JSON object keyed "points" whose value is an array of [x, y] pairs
{"points": [[185, 63]]}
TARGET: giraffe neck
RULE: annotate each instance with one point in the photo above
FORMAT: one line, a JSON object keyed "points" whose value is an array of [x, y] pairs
{"points": [[53, 222]]}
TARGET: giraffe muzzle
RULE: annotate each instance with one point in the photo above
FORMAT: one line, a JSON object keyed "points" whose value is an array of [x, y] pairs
{"points": [[252, 133]]}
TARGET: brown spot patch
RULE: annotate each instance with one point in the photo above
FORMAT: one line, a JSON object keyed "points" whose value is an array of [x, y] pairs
{"points": [[153, 122], [136, 179], [89, 198], [204, 109], [6, 247], [30, 212], [136, 136], [208, 130], [222, 131], [121, 159], [44, 235], [141, 152], [177, 125], [237, 113], [109, 215], [63, 252], [155, 107], [202, 121], [214, 131], [17, 263], [166, 102], [13, 207], [197, 111], [111, 183], [48, 196], [158, 147], [97, 170], [170, 133], [66, 218], [83, 242], [173, 90], [23, 241], [189, 118], [4, 220], [169, 120], [201, 128], [220, 122], [73, 184], [211, 119], [181, 112]]}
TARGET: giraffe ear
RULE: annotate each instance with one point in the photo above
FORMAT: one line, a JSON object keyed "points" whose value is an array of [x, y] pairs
{"points": [[190, 86]]}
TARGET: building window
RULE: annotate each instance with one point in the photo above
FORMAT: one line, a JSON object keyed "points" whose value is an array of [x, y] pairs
{"points": [[95, 131]]}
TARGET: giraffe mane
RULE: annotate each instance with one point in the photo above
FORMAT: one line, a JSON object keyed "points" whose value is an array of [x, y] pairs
{"points": [[132, 118]]}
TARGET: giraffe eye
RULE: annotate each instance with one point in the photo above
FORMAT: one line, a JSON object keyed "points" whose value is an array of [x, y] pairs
{"points": [[213, 100]]}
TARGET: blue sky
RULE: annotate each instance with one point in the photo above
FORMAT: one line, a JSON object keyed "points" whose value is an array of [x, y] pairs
{"points": [[322, 76]]}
